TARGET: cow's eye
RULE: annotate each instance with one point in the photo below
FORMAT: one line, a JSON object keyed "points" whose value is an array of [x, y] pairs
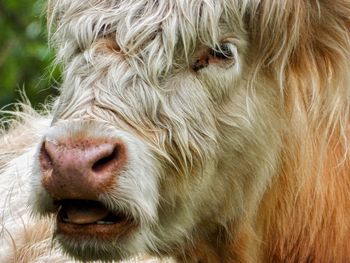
{"points": [[104, 30], [224, 51], [221, 55]]}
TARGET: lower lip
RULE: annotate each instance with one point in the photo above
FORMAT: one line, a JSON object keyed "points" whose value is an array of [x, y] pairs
{"points": [[105, 232]]}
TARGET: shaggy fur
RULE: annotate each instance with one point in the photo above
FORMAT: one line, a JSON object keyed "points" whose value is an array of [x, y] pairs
{"points": [[242, 159]]}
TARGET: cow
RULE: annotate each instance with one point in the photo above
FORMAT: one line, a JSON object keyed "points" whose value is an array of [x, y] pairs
{"points": [[212, 131]]}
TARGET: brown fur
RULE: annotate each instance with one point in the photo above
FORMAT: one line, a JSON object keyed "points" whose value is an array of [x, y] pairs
{"points": [[305, 214]]}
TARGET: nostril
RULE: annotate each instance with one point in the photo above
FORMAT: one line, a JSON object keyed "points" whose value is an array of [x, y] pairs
{"points": [[45, 158], [107, 161]]}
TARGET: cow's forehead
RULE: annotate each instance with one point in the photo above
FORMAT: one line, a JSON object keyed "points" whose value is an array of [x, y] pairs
{"points": [[137, 23]]}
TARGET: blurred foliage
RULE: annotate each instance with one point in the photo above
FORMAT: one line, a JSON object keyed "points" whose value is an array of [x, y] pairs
{"points": [[25, 58]]}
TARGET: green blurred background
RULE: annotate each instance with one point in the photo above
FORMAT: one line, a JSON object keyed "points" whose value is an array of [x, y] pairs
{"points": [[25, 59]]}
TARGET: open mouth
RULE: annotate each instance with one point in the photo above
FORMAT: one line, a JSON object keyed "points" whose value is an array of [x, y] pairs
{"points": [[87, 219]]}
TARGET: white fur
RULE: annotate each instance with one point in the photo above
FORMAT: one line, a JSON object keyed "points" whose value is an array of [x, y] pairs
{"points": [[177, 125]]}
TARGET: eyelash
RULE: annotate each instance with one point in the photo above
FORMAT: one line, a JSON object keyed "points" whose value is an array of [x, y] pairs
{"points": [[223, 53], [104, 31]]}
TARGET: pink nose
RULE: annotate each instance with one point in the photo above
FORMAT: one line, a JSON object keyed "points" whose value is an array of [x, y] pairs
{"points": [[80, 169]]}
